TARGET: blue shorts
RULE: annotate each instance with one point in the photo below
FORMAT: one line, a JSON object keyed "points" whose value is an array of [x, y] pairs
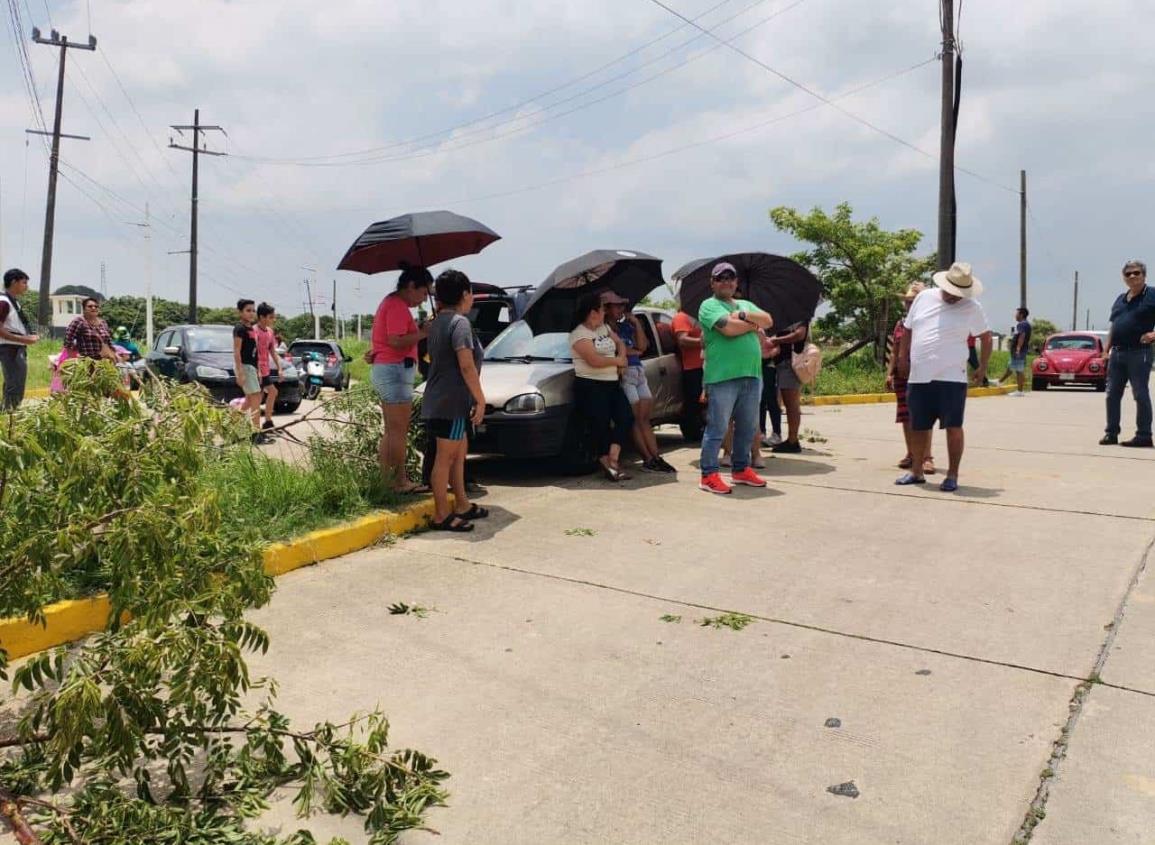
{"points": [[944, 401], [454, 429], [393, 382]]}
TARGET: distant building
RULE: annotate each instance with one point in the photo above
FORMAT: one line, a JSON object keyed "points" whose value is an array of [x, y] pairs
{"points": [[68, 304]]}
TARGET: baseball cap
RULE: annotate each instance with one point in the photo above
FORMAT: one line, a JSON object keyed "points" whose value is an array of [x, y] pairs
{"points": [[722, 267]]}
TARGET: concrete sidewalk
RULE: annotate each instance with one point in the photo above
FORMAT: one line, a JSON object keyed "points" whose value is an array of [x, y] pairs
{"points": [[947, 634]]}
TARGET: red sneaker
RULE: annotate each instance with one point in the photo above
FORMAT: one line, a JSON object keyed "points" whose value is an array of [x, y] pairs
{"points": [[748, 477], [713, 483]]}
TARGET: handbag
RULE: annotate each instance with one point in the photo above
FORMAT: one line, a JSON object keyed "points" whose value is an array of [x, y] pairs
{"points": [[807, 363]]}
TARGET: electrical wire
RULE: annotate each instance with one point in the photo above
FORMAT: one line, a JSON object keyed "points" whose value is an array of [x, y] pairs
{"points": [[827, 101], [696, 144], [380, 155], [443, 150]]}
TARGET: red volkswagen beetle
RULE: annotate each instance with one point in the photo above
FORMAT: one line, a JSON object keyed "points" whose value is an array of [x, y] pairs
{"points": [[1070, 358]]}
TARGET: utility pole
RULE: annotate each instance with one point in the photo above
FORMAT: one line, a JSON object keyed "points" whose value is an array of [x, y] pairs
{"points": [[197, 150], [312, 310], [336, 328], [1087, 325], [946, 197], [103, 281], [147, 227], [1022, 238], [1075, 309], [54, 40]]}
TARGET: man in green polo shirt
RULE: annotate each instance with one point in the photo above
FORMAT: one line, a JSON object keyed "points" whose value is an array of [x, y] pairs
{"points": [[733, 378]]}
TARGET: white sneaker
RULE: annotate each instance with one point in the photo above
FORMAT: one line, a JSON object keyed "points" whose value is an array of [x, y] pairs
{"points": [[772, 440], [1018, 393]]}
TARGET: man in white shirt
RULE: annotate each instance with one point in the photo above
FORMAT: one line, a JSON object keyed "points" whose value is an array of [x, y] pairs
{"points": [[933, 357]]}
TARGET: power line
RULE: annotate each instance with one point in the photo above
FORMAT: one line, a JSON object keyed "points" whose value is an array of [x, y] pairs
{"points": [[696, 144], [506, 110], [381, 155], [443, 150], [826, 100]]}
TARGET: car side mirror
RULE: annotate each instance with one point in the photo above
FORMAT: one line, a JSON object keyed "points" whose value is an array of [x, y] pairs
{"points": [[172, 350]]}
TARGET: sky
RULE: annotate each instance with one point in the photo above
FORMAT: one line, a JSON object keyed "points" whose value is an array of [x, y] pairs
{"points": [[570, 125]]}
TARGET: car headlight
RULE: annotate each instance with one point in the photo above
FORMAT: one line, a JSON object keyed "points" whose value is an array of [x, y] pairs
{"points": [[1095, 367], [1040, 364], [526, 403], [212, 372]]}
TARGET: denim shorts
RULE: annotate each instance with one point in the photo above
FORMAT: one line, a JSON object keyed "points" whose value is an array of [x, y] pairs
{"points": [[393, 383], [941, 401], [250, 381], [635, 385], [1018, 365]]}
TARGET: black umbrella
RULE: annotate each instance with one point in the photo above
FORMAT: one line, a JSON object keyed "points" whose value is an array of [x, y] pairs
{"points": [[417, 240], [784, 288], [628, 273]]}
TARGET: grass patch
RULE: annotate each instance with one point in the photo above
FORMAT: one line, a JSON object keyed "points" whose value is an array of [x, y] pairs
{"points": [[580, 532], [733, 621], [267, 500], [671, 617], [860, 373]]}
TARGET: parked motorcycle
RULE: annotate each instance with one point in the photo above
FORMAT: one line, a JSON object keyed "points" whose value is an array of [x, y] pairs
{"points": [[314, 367]]}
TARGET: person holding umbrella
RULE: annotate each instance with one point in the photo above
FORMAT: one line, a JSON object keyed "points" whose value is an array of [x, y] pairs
{"points": [[393, 359]]}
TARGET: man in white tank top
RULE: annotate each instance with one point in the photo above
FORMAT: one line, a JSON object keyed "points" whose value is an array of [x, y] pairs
{"points": [[15, 338]]}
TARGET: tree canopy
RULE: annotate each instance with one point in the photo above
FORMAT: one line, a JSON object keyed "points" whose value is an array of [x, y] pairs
{"points": [[863, 267]]}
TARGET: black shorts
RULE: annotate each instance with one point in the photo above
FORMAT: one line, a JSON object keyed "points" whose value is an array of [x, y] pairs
{"points": [[692, 389], [270, 380], [454, 429], [944, 401]]}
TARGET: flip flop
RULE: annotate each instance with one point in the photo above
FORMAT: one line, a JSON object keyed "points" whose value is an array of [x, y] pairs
{"points": [[906, 462], [909, 478], [928, 467], [447, 524], [474, 512], [949, 485]]}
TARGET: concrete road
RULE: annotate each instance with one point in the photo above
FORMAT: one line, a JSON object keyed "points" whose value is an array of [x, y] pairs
{"points": [[927, 647]]}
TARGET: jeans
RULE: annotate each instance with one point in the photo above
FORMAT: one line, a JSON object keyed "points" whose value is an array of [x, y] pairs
{"points": [[738, 399], [14, 364], [1134, 366]]}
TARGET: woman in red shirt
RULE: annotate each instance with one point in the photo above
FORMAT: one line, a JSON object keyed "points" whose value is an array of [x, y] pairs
{"points": [[393, 360]]}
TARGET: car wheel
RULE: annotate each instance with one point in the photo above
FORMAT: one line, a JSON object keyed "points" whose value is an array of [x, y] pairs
{"points": [[1101, 386], [577, 452], [1038, 384], [287, 407]]}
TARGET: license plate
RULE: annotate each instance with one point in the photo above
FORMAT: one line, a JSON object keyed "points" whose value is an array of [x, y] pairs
{"points": [[1066, 376]]}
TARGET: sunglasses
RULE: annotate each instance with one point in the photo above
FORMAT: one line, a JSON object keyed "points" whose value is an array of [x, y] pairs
{"points": [[1131, 273], [726, 277]]}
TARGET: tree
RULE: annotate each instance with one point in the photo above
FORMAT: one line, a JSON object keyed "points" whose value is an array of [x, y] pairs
{"points": [[142, 733], [1040, 330], [863, 268]]}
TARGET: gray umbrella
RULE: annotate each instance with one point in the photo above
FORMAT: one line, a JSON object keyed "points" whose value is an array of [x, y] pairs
{"points": [[628, 273]]}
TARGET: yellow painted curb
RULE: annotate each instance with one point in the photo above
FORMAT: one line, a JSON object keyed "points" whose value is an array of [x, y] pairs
{"points": [[37, 393], [878, 398], [66, 621]]}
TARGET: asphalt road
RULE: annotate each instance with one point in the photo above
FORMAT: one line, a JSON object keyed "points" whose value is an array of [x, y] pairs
{"points": [[928, 648]]}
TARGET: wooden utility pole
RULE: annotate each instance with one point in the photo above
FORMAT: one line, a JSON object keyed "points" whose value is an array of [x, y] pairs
{"points": [[1022, 238], [55, 39], [1075, 309], [946, 196], [197, 150]]}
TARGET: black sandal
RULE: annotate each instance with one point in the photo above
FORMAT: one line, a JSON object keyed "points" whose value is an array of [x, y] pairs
{"points": [[474, 512], [447, 524]]}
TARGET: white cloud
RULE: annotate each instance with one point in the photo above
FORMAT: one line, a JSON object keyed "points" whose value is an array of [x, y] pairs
{"points": [[1058, 90]]}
